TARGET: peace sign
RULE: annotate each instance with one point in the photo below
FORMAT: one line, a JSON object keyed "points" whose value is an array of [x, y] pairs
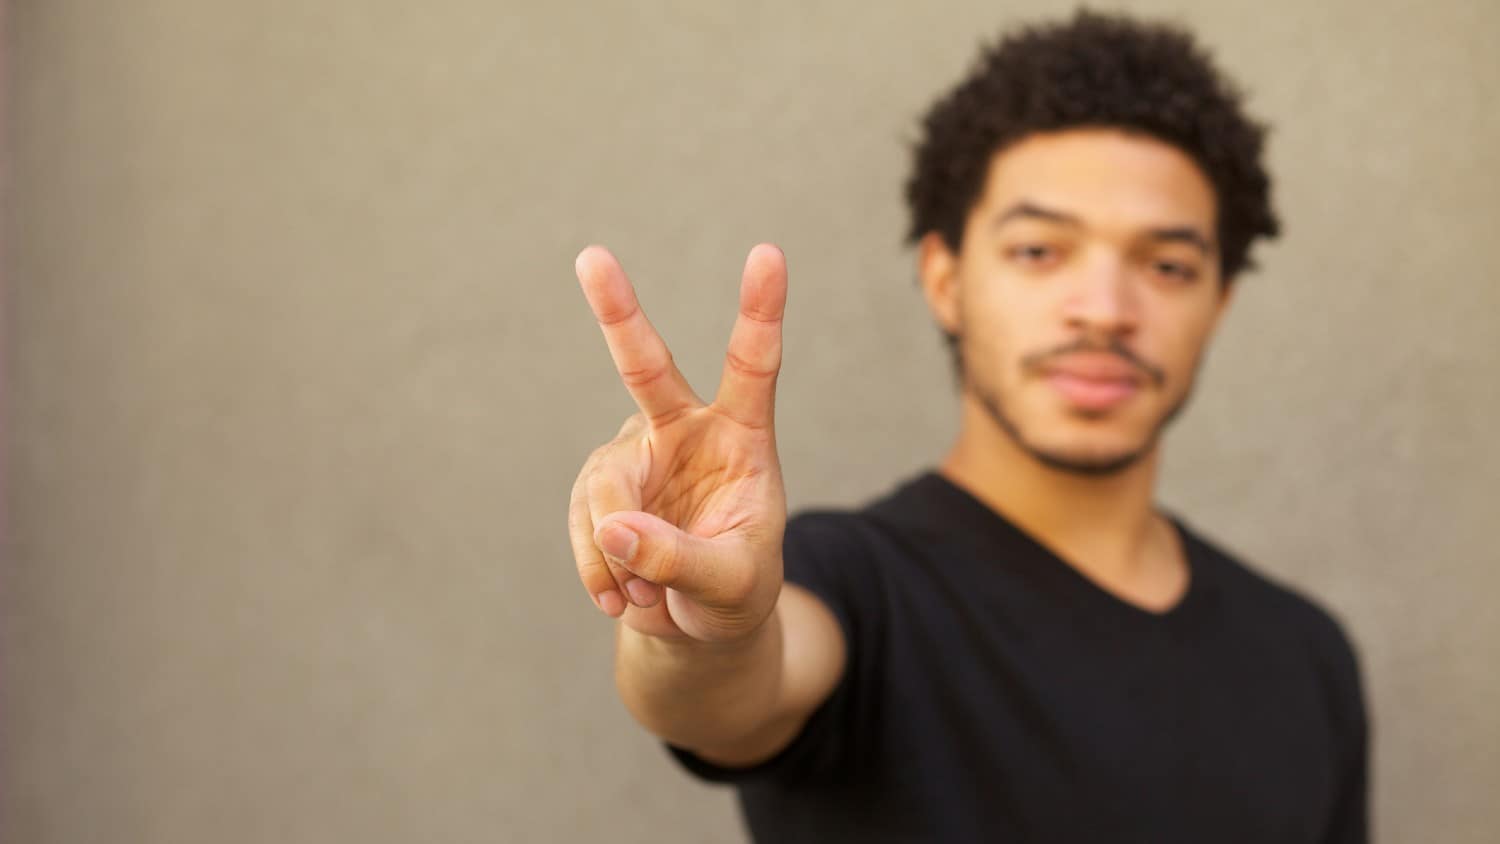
{"points": [[688, 496]]}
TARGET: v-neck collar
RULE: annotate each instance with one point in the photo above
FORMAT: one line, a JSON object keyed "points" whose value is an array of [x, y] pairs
{"points": [[930, 501]]}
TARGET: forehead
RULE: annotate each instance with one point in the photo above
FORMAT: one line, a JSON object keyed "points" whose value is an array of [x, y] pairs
{"points": [[1107, 177]]}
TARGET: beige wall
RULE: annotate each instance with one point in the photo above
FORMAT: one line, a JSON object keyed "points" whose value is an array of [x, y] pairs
{"points": [[300, 377]]}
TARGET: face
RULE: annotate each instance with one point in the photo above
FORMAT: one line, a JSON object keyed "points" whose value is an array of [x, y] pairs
{"points": [[1084, 293]]}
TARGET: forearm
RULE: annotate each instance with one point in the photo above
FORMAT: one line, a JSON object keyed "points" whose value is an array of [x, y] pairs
{"points": [[722, 697]]}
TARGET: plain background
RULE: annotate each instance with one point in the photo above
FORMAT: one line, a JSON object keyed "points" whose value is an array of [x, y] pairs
{"points": [[299, 378]]}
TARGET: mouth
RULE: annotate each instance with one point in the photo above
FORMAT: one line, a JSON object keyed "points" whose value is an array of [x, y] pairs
{"points": [[1093, 385]]}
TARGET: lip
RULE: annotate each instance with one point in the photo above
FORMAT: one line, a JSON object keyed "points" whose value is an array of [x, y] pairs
{"points": [[1091, 393], [1093, 383], [1095, 366]]}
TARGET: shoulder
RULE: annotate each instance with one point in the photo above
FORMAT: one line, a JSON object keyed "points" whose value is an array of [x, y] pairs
{"points": [[860, 533], [834, 546], [1259, 598], [849, 558], [825, 527]]}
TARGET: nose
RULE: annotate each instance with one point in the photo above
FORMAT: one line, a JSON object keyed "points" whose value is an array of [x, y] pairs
{"points": [[1101, 298]]}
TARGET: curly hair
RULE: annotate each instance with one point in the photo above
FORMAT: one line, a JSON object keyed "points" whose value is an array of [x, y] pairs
{"points": [[1097, 70]]}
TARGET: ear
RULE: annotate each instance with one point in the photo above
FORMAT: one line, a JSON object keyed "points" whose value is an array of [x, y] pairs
{"points": [[937, 268]]}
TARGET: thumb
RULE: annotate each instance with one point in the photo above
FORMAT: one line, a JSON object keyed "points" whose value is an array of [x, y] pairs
{"points": [[717, 571]]}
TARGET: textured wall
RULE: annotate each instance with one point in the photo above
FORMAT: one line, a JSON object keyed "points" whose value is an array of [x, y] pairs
{"points": [[300, 377]]}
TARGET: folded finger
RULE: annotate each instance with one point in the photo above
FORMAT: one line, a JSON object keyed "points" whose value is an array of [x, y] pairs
{"points": [[593, 570]]}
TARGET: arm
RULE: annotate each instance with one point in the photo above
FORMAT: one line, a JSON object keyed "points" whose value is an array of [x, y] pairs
{"points": [[739, 703], [677, 527]]}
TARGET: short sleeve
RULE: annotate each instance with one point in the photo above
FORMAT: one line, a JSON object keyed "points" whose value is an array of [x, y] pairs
{"points": [[1349, 821], [827, 553]]}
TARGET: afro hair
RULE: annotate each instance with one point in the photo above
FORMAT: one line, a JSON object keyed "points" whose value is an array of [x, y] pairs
{"points": [[1096, 70]]}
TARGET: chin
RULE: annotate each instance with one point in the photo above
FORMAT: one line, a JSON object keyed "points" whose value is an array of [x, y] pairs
{"points": [[1071, 439], [1097, 444], [1088, 461], [1071, 430]]}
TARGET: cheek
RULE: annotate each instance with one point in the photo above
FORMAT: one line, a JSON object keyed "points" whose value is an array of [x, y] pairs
{"points": [[998, 313], [990, 336], [1184, 348]]}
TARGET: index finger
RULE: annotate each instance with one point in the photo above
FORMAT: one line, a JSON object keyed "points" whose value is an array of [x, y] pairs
{"points": [[639, 353]]}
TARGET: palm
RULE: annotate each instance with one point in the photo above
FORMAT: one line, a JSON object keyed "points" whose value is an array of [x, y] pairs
{"points": [[711, 471], [712, 478]]}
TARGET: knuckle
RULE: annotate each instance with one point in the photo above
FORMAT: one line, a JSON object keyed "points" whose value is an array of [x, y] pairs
{"points": [[614, 314], [589, 570], [580, 483], [629, 430], [646, 375], [748, 369], [598, 482], [590, 565], [660, 561], [762, 316], [601, 454], [581, 537], [604, 468], [590, 467]]}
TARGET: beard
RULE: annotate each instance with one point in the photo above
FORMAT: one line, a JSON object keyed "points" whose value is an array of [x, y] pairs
{"points": [[1065, 461], [1090, 465]]}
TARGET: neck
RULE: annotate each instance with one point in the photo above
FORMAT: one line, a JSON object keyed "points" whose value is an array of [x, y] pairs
{"points": [[1104, 525]]}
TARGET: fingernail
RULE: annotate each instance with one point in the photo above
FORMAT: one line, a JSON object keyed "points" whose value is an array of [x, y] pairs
{"points": [[610, 602], [642, 594], [618, 542]]}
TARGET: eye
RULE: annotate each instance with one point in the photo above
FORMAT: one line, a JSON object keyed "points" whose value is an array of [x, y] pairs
{"points": [[1173, 269], [1030, 253]]}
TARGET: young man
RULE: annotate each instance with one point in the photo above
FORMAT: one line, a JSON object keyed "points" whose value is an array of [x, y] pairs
{"points": [[1019, 645]]}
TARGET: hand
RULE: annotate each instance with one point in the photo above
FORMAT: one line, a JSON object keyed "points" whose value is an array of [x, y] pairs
{"points": [[677, 523]]}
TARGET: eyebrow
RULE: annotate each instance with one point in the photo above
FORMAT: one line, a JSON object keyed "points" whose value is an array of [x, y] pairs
{"points": [[1169, 234], [1034, 211], [1184, 234]]}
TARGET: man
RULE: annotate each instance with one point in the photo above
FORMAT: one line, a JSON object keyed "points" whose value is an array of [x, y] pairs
{"points": [[1018, 645]]}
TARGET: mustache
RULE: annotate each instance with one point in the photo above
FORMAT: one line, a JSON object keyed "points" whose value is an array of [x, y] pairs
{"points": [[1034, 362]]}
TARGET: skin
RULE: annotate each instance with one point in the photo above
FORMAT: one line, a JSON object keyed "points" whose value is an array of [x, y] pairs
{"points": [[1130, 264], [1094, 242], [676, 527]]}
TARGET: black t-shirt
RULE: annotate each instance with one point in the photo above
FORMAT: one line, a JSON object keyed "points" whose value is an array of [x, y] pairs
{"points": [[994, 693]]}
